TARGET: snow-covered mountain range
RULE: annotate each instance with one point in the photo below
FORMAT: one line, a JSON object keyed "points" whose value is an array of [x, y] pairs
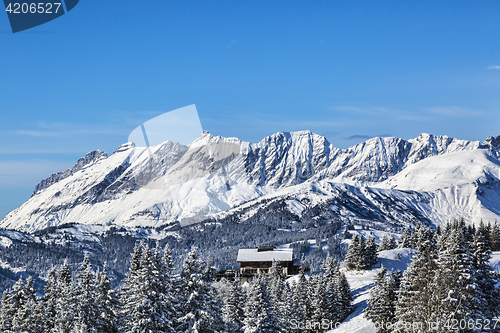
{"points": [[384, 180]]}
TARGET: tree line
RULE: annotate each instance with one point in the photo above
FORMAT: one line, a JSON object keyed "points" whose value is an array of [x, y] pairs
{"points": [[153, 299], [449, 285]]}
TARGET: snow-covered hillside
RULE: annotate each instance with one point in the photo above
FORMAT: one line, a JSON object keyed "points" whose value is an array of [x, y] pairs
{"points": [[362, 282], [434, 178]]}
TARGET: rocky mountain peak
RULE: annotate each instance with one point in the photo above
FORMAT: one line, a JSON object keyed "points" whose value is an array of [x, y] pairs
{"points": [[89, 159], [171, 182]]}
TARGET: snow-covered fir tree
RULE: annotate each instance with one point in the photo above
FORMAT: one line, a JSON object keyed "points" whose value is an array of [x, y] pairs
{"points": [[486, 278], [345, 296], [417, 297], [30, 318], [21, 310], [406, 239], [393, 243], [301, 291], [382, 303], [276, 285], [259, 317], [354, 254], [494, 237], [370, 253], [130, 295], [460, 296], [333, 303], [318, 303], [384, 244], [12, 301], [87, 310], [66, 302], [107, 302], [361, 254], [147, 303], [377, 310], [201, 310], [449, 280], [50, 300], [232, 310]]}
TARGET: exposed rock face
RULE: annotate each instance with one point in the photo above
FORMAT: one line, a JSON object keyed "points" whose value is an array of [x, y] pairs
{"points": [[170, 183], [89, 159]]}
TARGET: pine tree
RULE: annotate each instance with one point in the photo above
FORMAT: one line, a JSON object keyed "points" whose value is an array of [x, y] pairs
{"points": [[384, 244], [30, 317], [286, 312], [370, 253], [161, 282], [147, 302], [107, 302], [259, 317], [318, 304], [295, 314], [405, 239], [485, 276], [460, 293], [232, 311], [276, 286], [301, 298], [12, 302], [417, 297], [201, 311], [393, 243], [377, 310], [333, 303], [21, 309], [382, 303], [50, 299], [87, 308], [65, 303], [345, 296], [494, 237], [304, 264], [131, 294], [354, 254]]}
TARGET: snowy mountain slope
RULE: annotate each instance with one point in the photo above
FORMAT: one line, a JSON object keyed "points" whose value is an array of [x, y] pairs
{"points": [[89, 159], [461, 184], [378, 159], [172, 183], [342, 202]]}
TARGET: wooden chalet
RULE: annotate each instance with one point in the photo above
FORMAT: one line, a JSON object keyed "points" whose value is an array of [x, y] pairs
{"points": [[260, 260]]}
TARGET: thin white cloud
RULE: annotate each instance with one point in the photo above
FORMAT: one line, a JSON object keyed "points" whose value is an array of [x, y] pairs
{"points": [[454, 111], [52, 130], [494, 67], [384, 113]]}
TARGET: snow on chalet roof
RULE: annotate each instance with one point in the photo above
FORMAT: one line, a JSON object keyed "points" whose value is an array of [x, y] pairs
{"points": [[255, 255]]}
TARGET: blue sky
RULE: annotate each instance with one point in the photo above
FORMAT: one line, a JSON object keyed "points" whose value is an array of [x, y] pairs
{"points": [[349, 70]]}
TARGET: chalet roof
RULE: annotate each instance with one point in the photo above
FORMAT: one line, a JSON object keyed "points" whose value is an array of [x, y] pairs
{"points": [[255, 255]]}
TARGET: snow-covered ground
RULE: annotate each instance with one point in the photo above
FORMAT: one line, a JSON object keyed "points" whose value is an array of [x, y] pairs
{"points": [[361, 284]]}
